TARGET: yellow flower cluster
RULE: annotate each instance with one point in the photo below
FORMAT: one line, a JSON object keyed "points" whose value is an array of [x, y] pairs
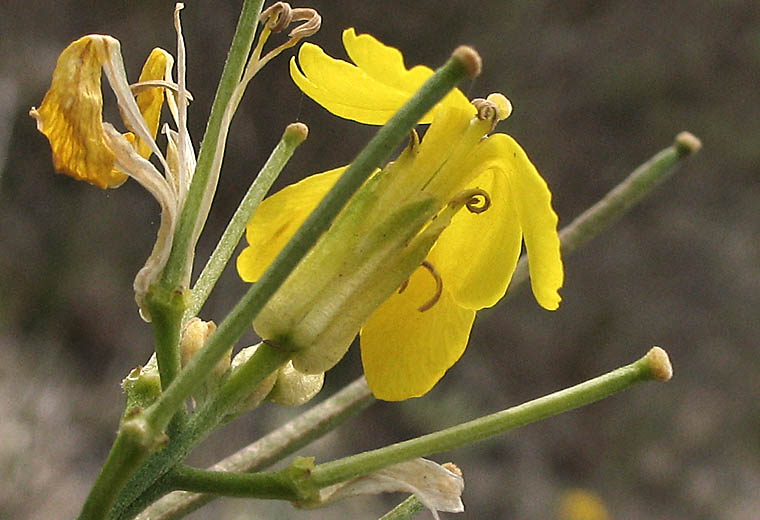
{"points": [[426, 311]]}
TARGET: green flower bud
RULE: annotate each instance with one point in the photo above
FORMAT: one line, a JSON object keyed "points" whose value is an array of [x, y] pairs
{"points": [[194, 336], [294, 388], [142, 386], [258, 393]]}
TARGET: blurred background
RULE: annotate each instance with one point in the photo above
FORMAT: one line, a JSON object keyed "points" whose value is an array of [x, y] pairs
{"points": [[597, 86]]}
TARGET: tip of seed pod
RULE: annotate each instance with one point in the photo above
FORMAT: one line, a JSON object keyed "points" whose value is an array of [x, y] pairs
{"points": [[659, 363], [296, 131], [470, 58], [688, 143]]}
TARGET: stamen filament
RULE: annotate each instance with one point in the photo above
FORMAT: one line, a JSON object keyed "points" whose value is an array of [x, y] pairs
{"points": [[140, 86]]}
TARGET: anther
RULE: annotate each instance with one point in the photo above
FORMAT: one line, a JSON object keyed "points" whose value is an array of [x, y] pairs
{"points": [[438, 287], [312, 22], [486, 109], [277, 16], [476, 200], [496, 107]]}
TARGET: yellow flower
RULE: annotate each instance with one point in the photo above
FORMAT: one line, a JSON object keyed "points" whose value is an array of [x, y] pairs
{"points": [[581, 504], [414, 296], [89, 149]]}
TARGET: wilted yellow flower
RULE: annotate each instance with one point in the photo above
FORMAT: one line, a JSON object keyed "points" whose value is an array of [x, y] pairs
{"points": [[90, 149], [401, 261]]}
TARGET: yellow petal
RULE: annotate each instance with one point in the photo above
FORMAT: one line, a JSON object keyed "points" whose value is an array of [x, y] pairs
{"points": [[278, 218], [404, 351], [369, 92], [386, 64], [532, 201], [71, 114], [476, 255], [151, 99]]}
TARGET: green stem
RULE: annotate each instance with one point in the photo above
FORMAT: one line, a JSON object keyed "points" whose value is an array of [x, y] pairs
{"points": [[277, 486], [407, 509], [128, 452], [652, 366], [618, 201], [301, 431], [176, 269], [293, 136], [166, 309], [265, 360]]}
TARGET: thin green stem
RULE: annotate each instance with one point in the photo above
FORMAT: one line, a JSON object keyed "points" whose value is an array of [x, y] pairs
{"points": [[618, 201], [287, 439], [294, 135], [652, 366], [407, 509], [275, 486], [127, 453], [166, 309], [262, 363], [176, 269]]}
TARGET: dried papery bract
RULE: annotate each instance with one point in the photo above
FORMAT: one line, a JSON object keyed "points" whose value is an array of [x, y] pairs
{"points": [[438, 487]]}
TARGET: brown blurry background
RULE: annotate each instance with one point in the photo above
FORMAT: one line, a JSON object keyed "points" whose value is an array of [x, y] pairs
{"points": [[598, 87]]}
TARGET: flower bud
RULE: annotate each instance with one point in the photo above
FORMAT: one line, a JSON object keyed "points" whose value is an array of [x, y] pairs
{"points": [[142, 386], [194, 336], [294, 388], [258, 393]]}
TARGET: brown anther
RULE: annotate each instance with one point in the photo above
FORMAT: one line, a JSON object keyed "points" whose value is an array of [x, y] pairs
{"points": [[277, 16], [487, 111], [476, 200], [438, 287], [312, 22], [479, 202]]}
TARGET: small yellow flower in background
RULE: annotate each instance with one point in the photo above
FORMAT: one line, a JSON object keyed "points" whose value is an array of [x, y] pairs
{"points": [[581, 504], [401, 261], [89, 149]]}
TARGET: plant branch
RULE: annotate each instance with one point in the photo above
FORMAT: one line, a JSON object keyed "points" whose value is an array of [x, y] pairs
{"points": [[176, 269], [653, 366], [275, 446], [618, 201], [294, 135]]}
